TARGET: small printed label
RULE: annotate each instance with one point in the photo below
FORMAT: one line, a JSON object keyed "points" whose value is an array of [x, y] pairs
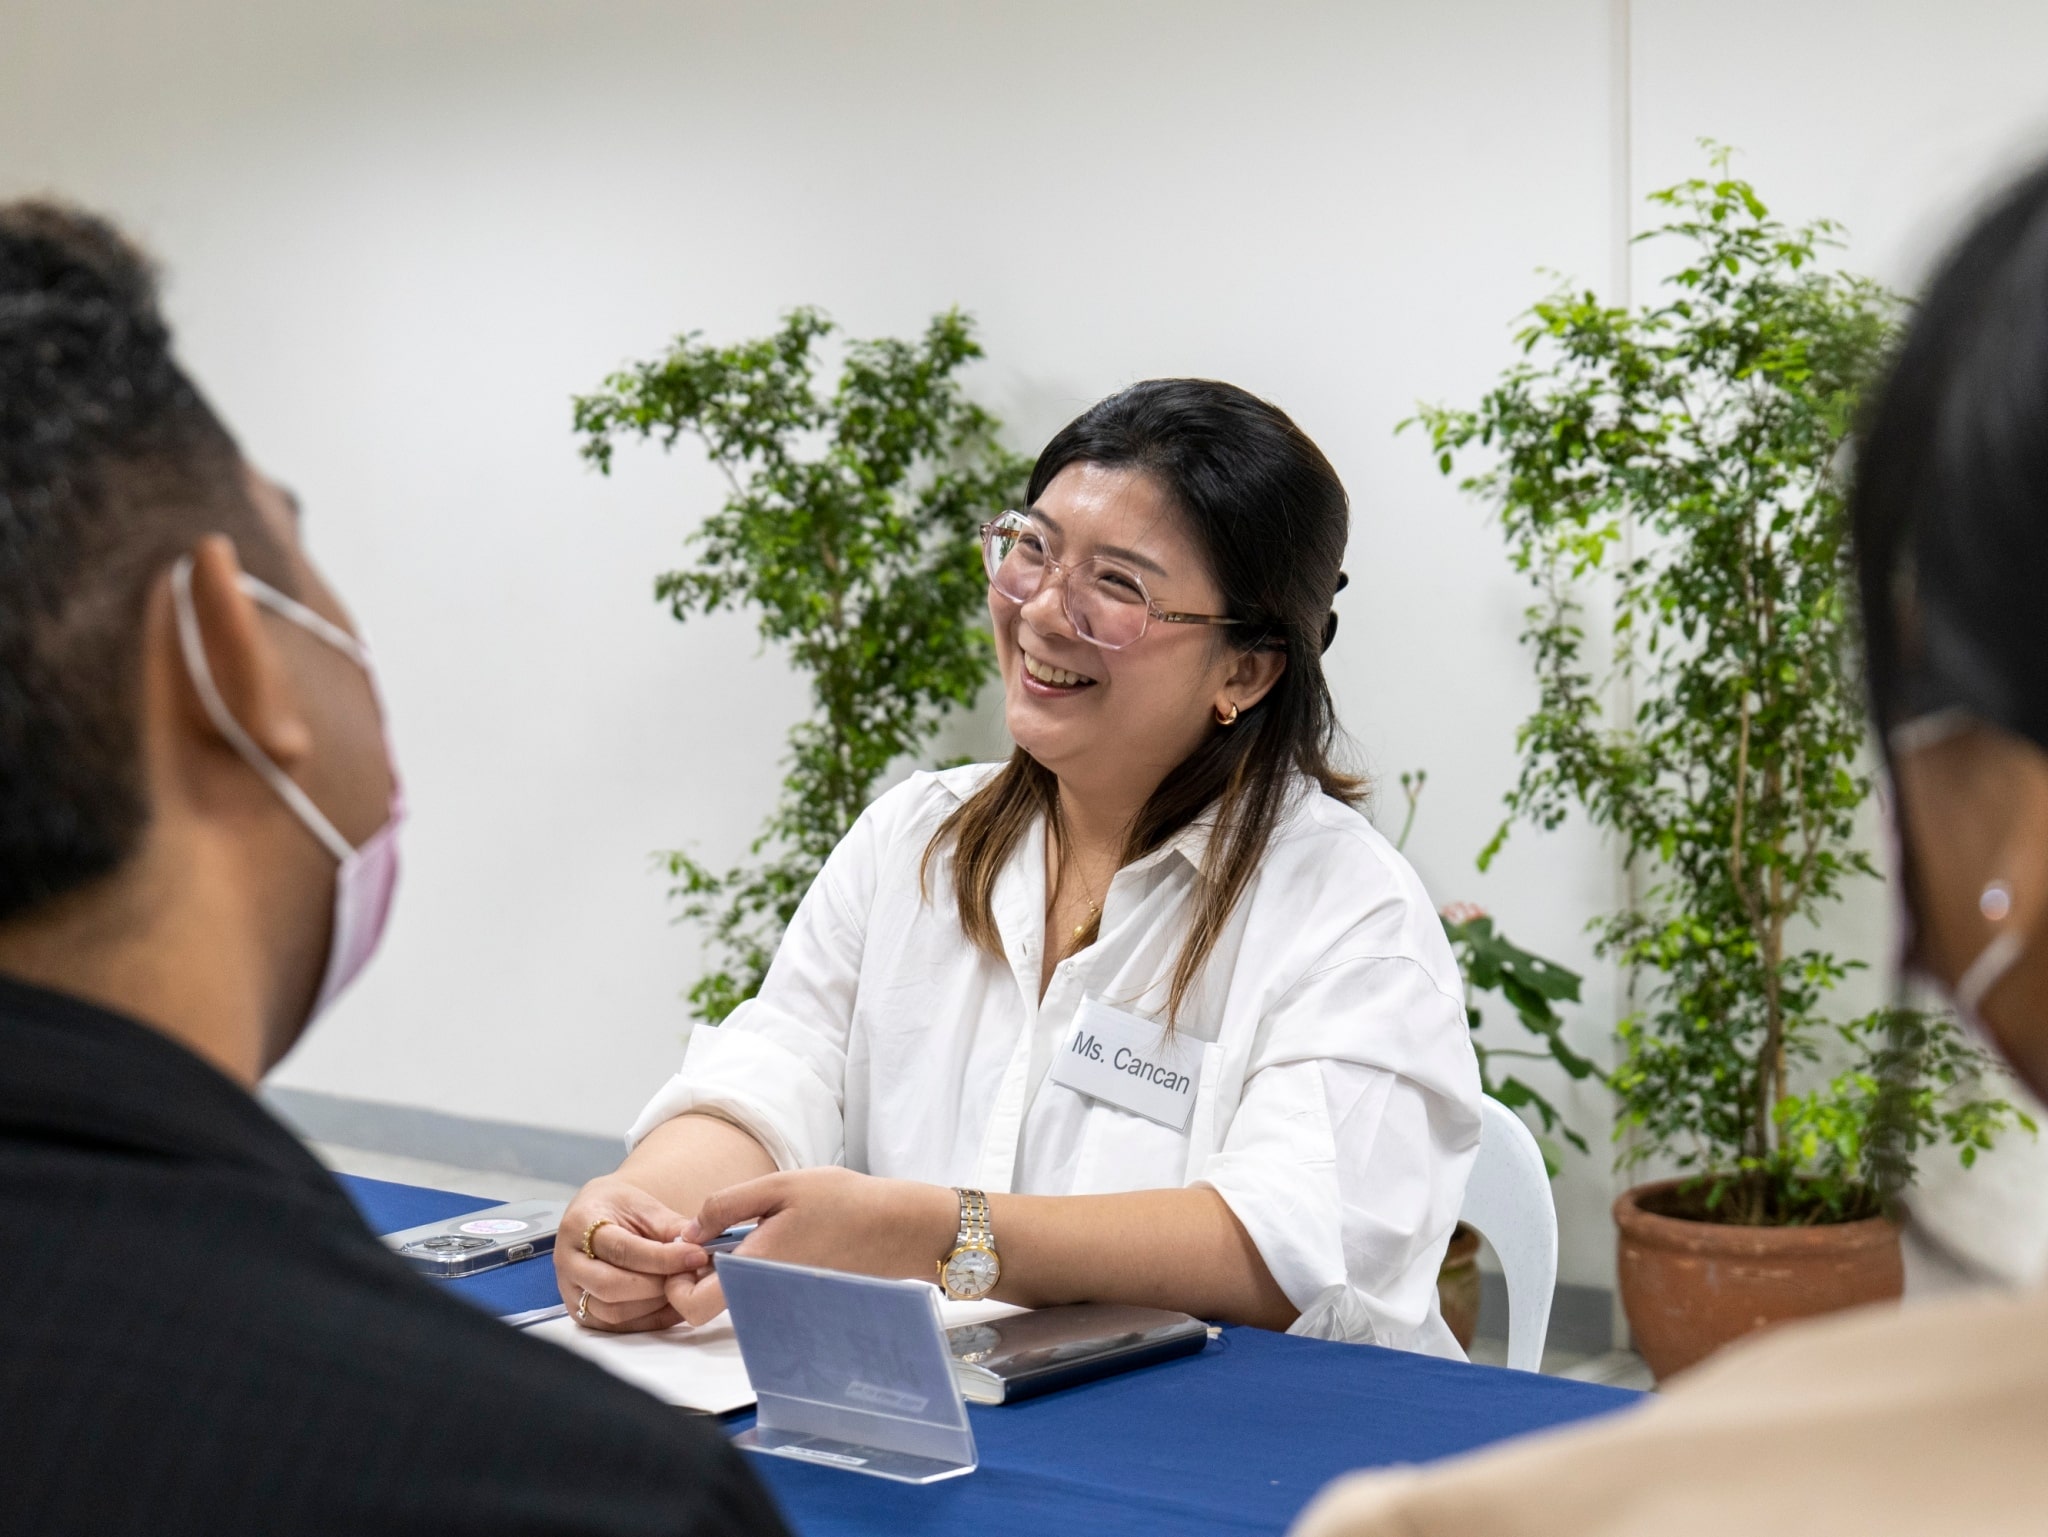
{"points": [[494, 1225], [886, 1398], [818, 1456], [1130, 1062]]}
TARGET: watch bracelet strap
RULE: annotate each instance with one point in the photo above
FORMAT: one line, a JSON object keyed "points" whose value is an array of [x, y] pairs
{"points": [[975, 1227]]}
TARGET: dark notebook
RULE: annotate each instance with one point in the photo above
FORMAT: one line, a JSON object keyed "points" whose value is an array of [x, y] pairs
{"points": [[1046, 1349]]}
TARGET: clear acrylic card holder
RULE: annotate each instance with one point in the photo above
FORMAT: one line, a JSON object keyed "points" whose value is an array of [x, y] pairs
{"points": [[849, 1371]]}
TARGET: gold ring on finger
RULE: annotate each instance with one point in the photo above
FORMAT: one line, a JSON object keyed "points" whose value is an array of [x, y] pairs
{"points": [[590, 1233], [583, 1307]]}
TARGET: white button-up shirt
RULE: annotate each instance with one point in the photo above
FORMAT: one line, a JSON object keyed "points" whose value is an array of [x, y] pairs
{"points": [[1336, 1107]]}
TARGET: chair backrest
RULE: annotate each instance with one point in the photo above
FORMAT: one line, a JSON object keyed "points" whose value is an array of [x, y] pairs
{"points": [[1508, 1201]]}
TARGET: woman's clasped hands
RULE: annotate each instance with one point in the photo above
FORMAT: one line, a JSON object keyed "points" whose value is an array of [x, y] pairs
{"points": [[616, 1253], [647, 1269]]}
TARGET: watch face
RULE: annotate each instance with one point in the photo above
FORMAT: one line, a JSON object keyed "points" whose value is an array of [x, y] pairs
{"points": [[971, 1273]]}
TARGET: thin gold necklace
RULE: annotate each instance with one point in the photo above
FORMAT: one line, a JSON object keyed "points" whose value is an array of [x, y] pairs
{"points": [[1088, 928]]}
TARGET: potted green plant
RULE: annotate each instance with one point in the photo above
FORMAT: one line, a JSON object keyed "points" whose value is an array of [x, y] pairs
{"points": [[850, 531], [1688, 456]]}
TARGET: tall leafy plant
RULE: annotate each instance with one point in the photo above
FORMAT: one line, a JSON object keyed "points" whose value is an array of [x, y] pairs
{"points": [[1715, 419], [849, 530]]}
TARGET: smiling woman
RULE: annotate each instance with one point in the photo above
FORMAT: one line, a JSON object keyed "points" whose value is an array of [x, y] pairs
{"points": [[1226, 504], [1149, 1013]]}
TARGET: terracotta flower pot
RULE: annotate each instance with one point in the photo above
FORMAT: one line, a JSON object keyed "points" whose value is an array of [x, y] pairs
{"points": [[1457, 1285], [1690, 1287]]}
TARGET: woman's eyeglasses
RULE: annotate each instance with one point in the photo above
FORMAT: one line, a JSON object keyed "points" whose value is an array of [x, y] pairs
{"points": [[1106, 602]]}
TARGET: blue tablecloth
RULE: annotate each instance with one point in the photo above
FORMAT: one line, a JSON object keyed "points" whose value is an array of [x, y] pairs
{"points": [[1236, 1439]]}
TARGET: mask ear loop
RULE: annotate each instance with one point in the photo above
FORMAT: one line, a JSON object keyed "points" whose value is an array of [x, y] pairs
{"points": [[306, 619], [2006, 947], [1925, 731], [1984, 972], [193, 645]]}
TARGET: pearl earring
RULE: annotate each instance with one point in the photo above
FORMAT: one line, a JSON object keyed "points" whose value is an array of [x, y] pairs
{"points": [[1996, 902]]}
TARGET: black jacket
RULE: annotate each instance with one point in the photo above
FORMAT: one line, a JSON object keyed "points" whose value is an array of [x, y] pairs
{"points": [[197, 1334]]}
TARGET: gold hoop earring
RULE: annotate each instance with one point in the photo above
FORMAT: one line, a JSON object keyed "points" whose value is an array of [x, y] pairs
{"points": [[1227, 720]]}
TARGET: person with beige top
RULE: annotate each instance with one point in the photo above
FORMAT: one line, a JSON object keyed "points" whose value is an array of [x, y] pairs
{"points": [[1933, 1419]]}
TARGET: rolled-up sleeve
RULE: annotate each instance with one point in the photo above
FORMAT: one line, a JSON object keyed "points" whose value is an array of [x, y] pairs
{"points": [[1347, 1153], [776, 1067]]}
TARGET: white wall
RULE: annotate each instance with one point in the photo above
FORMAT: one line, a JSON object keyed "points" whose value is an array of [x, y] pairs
{"points": [[401, 232]]}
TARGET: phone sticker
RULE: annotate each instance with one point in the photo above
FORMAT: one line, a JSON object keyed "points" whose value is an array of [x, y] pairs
{"points": [[495, 1225]]}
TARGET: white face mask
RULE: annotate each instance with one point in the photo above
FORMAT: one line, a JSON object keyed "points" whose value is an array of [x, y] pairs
{"points": [[366, 877]]}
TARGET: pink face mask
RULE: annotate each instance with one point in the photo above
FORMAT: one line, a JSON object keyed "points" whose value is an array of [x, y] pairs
{"points": [[366, 877]]}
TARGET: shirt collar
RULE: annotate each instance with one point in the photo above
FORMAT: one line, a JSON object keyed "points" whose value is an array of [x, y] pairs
{"points": [[1190, 843]]}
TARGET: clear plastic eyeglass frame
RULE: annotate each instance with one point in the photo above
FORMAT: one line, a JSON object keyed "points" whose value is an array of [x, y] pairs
{"points": [[1105, 601]]}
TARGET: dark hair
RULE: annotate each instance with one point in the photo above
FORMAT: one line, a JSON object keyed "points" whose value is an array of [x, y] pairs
{"points": [[1949, 516], [1272, 520], [111, 465]]}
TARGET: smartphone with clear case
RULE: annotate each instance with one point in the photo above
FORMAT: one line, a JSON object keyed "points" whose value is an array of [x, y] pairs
{"points": [[479, 1240]]}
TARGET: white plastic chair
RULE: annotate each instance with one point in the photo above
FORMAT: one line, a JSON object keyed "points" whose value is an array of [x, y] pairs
{"points": [[1508, 1201]]}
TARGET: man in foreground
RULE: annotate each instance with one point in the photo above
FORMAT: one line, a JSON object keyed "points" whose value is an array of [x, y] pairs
{"points": [[198, 823]]}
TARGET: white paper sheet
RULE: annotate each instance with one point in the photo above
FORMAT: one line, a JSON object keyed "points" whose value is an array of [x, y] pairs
{"points": [[700, 1367]]}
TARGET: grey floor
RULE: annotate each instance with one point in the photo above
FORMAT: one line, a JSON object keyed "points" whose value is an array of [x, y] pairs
{"points": [[1615, 1368], [1620, 1368], [441, 1176]]}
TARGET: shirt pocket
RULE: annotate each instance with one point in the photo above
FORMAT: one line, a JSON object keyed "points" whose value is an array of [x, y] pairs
{"points": [[1121, 1150]]}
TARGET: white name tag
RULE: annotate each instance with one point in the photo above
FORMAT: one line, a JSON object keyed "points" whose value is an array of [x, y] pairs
{"points": [[1124, 1060]]}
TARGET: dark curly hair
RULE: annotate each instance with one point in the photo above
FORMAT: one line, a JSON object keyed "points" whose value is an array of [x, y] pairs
{"points": [[111, 465]]}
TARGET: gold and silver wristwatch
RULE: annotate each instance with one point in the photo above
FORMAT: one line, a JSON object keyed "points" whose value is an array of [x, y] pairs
{"points": [[972, 1269]]}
